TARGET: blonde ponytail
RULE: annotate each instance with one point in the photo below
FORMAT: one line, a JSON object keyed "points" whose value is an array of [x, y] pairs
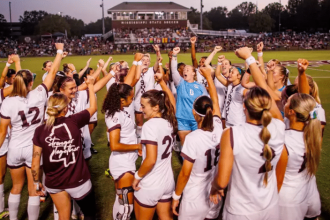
{"points": [[21, 83], [264, 135], [56, 104], [313, 89], [303, 105]]}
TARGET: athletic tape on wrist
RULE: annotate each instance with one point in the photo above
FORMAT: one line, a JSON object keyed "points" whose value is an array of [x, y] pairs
{"points": [[8, 64], [260, 54], [175, 196], [250, 60], [160, 64], [135, 63], [219, 64], [136, 175], [59, 51], [139, 63]]}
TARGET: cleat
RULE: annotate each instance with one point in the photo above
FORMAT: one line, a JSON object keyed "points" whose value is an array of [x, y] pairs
{"points": [[4, 214]]}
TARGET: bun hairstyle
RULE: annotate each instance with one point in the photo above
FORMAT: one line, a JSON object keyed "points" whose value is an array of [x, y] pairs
{"points": [[258, 103], [56, 104], [61, 83], [111, 103], [284, 72], [313, 89], [66, 68], [45, 64], [303, 105], [21, 83], [161, 99], [203, 107]]}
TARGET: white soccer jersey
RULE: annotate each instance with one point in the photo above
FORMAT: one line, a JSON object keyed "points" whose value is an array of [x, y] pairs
{"points": [[299, 194], [6, 85], [233, 111], [4, 147], [122, 162], [246, 192], [202, 149], [145, 83], [44, 76], [111, 81], [201, 79], [25, 114], [159, 132], [222, 94]]}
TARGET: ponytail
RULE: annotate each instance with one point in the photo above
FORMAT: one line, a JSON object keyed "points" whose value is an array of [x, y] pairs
{"points": [[313, 89], [56, 104], [304, 105], [264, 135], [166, 108], [111, 103], [203, 107], [21, 83]]}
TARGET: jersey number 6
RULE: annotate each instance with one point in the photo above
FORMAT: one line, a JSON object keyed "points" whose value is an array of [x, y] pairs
{"points": [[34, 120]]}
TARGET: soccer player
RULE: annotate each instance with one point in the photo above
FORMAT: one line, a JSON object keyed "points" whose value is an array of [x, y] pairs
{"points": [[250, 154], [60, 143], [24, 110], [201, 153], [154, 182]]}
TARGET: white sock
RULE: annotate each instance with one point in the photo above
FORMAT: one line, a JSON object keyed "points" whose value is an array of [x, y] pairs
{"points": [[56, 216], [2, 198], [33, 207], [138, 133], [115, 207], [13, 204], [75, 207], [121, 212]]}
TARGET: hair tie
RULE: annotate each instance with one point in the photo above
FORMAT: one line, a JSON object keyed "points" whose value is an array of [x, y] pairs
{"points": [[56, 106], [287, 71], [313, 114]]}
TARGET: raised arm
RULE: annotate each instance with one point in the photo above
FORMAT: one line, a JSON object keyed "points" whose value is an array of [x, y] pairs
{"points": [[17, 62], [169, 65], [129, 79], [193, 51], [210, 58], [156, 48], [260, 47], [206, 72], [92, 99], [303, 86], [246, 81], [81, 73], [245, 53], [218, 71], [48, 82], [95, 75], [5, 71], [174, 63]]}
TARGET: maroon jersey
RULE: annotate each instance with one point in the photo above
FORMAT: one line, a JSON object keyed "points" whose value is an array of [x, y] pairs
{"points": [[63, 160]]}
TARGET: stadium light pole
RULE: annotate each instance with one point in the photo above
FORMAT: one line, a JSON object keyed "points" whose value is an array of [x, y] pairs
{"points": [[279, 18], [103, 27], [11, 28], [202, 14]]}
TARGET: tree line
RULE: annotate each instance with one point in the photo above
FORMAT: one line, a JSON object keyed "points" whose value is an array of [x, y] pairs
{"points": [[298, 15]]}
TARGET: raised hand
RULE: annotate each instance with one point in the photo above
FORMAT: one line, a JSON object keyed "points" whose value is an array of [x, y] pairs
{"points": [[160, 59], [221, 58], [170, 54], [206, 72], [59, 46], [101, 63], [176, 50], [260, 47], [302, 65], [243, 53], [138, 56], [193, 39], [15, 58], [89, 80], [270, 66], [10, 60], [88, 61], [217, 49], [71, 67], [107, 63], [167, 65], [156, 47], [64, 54]]}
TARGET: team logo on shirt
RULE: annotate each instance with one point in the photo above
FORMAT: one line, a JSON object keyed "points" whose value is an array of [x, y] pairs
{"points": [[62, 150], [196, 86], [115, 119], [214, 137], [39, 88]]}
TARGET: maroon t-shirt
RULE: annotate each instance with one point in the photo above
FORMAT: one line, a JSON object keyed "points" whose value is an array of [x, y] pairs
{"points": [[63, 160]]}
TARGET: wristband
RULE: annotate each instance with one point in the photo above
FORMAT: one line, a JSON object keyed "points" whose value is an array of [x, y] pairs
{"points": [[260, 54], [160, 64], [8, 64], [139, 63], [135, 63], [250, 60], [136, 176], [175, 196], [37, 186], [59, 51], [219, 64], [112, 73], [74, 71]]}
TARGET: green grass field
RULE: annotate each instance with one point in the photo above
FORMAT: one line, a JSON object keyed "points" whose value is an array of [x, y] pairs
{"points": [[104, 187]]}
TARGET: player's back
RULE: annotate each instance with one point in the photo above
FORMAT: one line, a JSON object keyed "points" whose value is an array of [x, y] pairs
{"points": [[246, 192], [159, 132]]}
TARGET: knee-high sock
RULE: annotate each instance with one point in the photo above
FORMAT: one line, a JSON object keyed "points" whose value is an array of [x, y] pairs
{"points": [[124, 214], [2, 198], [75, 207], [115, 207], [138, 133], [33, 207], [56, 216], [13, 204]]}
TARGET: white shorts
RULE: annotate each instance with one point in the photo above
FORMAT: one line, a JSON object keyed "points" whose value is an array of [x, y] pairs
{"points": [[149, 198], [119, 168], [4, 148], [137, 105], [272, 213], [197, 210], [311, 208], [77, 193], [93, 119], [18, 157]]}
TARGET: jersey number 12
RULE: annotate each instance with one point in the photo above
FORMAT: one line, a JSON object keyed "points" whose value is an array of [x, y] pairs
{"points": [[34, 120], [209, 160]]}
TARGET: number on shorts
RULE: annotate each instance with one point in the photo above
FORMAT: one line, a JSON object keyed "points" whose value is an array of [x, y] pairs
{"points": [[262, 169], [208, 155], [34, 120], [303, 165], [167, 151]]}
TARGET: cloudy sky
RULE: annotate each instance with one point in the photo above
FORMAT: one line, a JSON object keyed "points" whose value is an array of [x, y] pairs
{"points": [[89, 10]]}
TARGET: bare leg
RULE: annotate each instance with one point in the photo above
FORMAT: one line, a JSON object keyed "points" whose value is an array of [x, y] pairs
{"points": [[62, 202], [164, 210]]}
